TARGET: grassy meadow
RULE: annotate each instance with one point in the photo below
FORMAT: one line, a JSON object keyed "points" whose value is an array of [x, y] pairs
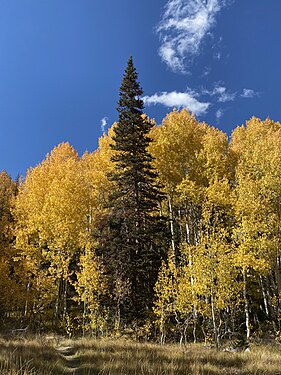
{"points": [[54, 356]]}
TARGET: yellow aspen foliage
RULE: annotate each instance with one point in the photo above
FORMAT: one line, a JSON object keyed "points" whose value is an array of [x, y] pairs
{"points": [[208, 188], [91, 288], [96, 167], [213, 157], [58, 207], [215, 252], [222, 205], [177, 142], [166, 294], [186, 296], [51, 220], [193, 163], [208, 276], [257, 147]]}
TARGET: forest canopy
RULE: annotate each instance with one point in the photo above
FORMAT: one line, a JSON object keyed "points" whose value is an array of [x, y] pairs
{"points": [[165, 231]]}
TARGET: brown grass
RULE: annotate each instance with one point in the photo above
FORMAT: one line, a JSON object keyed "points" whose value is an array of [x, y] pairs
{"points": [[116, 357], [126, 357], [29, 356]]}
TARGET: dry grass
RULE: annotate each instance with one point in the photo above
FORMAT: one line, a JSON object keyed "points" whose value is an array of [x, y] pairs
{"points": [[125, 357], [117, 357], [29, 356]]}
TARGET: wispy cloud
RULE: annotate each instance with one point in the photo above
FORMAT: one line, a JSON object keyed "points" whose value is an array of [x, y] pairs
{"points": [[219, 114], [206, 72], [249, 93], [217, 56], [103, 123], [178, 99], [221, 93], [183, 27], [224, 95]]}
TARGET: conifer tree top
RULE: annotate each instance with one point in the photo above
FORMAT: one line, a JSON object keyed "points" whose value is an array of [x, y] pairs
{"points": [[130, 90]]}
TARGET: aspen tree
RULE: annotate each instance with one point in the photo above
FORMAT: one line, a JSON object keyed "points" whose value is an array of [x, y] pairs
{"points": [[51, 218], [257, 150]]}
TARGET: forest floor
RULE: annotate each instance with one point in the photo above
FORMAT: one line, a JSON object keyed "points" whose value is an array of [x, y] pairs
{"points": [[56, 356]]}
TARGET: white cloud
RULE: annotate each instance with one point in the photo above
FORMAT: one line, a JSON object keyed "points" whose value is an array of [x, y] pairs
{"points": [[178, 99], [219, 114], [183, 27], [103, 123], [249, 93], [217, 56], [206, 72], [223, 95]]}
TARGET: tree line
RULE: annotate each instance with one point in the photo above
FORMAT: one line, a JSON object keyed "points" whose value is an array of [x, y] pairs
{"points": [[169, 231]]}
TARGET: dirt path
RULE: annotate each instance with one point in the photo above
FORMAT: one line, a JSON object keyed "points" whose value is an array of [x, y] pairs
{"points": [[72, 362]]}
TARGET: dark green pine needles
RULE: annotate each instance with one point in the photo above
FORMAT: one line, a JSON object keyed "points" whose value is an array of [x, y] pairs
{"points": [[136, 231]]}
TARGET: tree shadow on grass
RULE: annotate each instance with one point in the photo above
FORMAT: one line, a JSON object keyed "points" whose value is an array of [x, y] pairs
{"points": [[29, 354], [131, 358]]}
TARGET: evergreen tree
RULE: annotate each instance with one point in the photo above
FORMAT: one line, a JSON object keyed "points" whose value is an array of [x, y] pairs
{"points": [[134, 248]]}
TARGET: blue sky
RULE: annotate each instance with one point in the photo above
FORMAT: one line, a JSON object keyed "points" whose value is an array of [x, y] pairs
{"points": [[61, 65]]}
